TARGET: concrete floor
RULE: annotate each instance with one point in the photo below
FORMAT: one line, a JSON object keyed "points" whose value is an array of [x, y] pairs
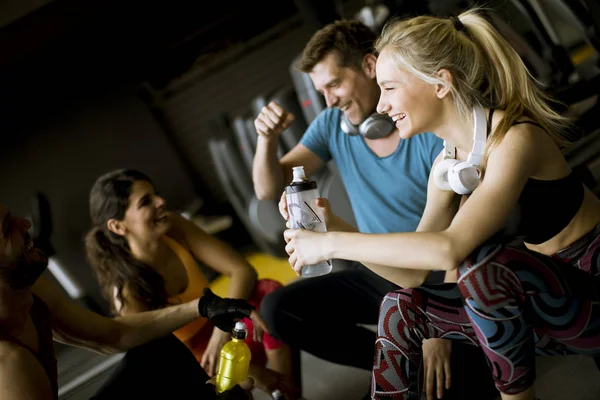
{"points": [[559, 378]]}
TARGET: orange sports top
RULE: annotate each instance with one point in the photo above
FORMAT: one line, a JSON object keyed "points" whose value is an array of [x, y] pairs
{"points": [[196, 282]]}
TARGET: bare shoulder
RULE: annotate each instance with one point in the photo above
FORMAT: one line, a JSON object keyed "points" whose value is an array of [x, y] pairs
{"points": [[523, 134], [531, 144], [21, 374], [176, 220], [50, 294], [185, 231], [14, 355], [524, 138], [180, 228]]}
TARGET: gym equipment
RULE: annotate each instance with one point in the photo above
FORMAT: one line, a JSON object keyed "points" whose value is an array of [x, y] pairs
{"points": [[261, 218], [311, 101]]}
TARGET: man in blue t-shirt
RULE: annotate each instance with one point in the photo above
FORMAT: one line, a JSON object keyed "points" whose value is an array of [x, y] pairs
{"points": [[386, 181]]}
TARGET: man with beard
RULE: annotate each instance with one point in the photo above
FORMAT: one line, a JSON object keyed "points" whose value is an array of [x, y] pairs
{"points": [[33, 311]]}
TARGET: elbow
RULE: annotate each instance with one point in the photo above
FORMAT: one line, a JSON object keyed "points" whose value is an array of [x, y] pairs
{"points": [[447, 257], [412, 283], [245, 274], [119, 340], [251, 274], [119, 347], [262, 194], [449, 265], [269, 186]]}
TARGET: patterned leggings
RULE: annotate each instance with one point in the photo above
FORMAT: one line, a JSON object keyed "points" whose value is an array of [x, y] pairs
{"points": [[512, 302]]}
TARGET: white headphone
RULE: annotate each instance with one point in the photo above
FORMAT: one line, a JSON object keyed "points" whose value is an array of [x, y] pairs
{"points": [[463, 176]]}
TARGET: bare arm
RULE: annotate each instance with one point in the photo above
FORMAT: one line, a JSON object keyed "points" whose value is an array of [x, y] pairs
{"points": [[270, 174], [224, 259], [77, 326], [267, 173], [21, 375], [402, 277], [508, 168], [219, 256], [269, 179], [441, 207]]}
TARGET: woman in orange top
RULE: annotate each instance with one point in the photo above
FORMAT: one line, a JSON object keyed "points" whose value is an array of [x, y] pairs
{"points": [[145, 258]]}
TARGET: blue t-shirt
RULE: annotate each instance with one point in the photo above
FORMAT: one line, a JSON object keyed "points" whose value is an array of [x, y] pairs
{"points": [[387, 194]]}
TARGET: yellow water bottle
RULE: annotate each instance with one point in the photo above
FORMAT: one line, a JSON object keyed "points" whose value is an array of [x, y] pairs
{"points": [[234, 360]]}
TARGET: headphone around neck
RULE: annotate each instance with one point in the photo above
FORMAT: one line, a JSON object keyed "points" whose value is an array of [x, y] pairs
{"points": [[462, 177], [376, 126]]}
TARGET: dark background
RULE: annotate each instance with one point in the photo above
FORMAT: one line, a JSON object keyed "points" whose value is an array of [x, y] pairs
{"points": [[88, 86]]}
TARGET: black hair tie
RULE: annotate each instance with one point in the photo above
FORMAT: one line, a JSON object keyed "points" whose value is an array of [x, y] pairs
{"points": [[459, 26]]}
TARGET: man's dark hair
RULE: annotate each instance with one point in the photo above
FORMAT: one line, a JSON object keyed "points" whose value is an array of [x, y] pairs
{"points": [[349, 40]]}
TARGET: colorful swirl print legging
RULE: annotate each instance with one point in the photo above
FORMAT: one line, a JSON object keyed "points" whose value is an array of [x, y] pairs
{"points": [[511, 302]]}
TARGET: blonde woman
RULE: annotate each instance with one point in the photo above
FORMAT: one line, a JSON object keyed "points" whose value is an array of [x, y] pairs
{"points": [[461, 80]]}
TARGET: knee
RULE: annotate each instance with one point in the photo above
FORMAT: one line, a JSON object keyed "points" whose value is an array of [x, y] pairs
{"points": [[268, 306], [390, 310], [489, 279], [480, 258], [266, 286], [272, 309], [490, 266], [399, 297]]}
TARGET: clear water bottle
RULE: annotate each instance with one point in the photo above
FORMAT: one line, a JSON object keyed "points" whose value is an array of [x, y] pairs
{"points": [[303, 214]]}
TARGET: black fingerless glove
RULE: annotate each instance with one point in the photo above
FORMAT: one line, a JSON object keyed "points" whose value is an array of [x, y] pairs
{"points": [[223, 312]]}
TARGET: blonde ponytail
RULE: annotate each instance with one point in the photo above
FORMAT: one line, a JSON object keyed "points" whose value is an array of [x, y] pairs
{"points": [[486, 70]]}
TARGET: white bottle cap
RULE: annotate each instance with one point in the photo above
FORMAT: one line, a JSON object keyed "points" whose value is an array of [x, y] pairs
{"points": [[277, 395], [240, 326], [299, 175]]}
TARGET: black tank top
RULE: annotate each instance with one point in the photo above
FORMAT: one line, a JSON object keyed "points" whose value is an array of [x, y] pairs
{"points": [[40, 314], [545, 207]]}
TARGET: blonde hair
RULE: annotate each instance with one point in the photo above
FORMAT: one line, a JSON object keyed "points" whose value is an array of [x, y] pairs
{"points": [[485, 68]]}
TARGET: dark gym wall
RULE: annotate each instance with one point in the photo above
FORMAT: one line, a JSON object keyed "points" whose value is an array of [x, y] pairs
{"points": [[192, 104], [71, 75], [64, 153]]}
